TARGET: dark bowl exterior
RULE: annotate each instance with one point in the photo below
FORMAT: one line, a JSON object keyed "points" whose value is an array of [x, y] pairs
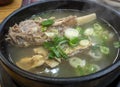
{"points": [[23, 78]]}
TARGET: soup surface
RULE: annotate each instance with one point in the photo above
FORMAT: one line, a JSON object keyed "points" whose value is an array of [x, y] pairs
{"points": [[72, 43]]}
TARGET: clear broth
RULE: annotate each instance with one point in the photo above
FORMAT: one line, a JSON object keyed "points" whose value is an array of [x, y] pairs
{"points": [[64, 69]]}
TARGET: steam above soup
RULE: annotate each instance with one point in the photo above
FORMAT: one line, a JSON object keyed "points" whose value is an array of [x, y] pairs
{"points": [[63, 43]]}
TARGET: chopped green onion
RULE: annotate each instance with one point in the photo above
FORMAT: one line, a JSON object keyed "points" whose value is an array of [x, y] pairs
{"points": [[55, 51], [54, 48], [74, 41], [75, 62], [80, 30], [63, 54], [89, 32], [92, 68], [96, 54], [88, 69], [104, 49], [59, 40], [116, 44], [70, 33], [47, 22]]}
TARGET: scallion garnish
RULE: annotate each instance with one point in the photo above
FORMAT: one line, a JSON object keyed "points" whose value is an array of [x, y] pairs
{"points": [[47, 22]]}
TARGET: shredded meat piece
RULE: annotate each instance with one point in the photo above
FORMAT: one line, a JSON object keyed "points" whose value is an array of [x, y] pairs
{"points": [[25, 34], [29, 27]]}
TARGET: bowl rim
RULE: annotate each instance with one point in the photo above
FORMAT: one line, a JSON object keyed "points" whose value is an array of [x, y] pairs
{"points": [[58, 80]]}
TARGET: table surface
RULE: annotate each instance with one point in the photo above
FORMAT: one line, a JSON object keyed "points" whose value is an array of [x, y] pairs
{"points": [[7, 9]]}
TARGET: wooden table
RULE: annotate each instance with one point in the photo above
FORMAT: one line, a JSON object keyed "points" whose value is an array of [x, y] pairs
{"points": [[6, 10]]}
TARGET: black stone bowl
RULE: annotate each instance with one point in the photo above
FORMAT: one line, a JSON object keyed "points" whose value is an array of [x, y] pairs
{"points": [[24, 78]]}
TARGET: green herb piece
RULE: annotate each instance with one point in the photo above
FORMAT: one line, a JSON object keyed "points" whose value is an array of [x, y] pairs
{"points": [[43, 29], [51, 55], [104, 49], [116, 44], [80, 30], [74, 41], [47, 22]]}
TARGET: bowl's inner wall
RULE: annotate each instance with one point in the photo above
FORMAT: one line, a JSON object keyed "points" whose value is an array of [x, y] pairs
{"points": [[102, 12]]}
